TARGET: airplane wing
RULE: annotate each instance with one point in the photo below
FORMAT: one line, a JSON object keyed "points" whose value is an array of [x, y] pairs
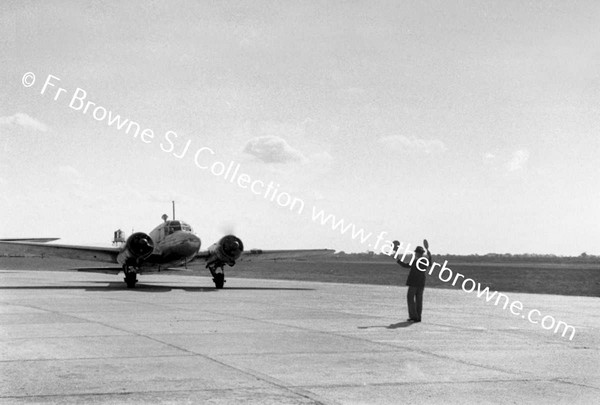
{"points": [[29, 240], [92, 253], [144, 270], [259, 254]]}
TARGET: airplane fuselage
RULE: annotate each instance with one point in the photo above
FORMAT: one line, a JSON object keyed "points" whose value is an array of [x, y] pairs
{"points": [[170, 244], [180, 247]]}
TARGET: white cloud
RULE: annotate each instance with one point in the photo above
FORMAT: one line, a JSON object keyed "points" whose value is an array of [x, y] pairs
{"points": [[24, 121], [69, 171], [489, 159], [412, 144], [518, 160], [273, 149], [321, 158]]}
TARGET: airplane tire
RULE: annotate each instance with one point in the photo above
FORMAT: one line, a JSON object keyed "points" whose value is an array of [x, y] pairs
{"points": [[219, 280], [130, 280]]}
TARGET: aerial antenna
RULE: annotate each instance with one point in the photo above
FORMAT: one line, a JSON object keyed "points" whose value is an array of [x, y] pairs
{"points": [[173, 209]]}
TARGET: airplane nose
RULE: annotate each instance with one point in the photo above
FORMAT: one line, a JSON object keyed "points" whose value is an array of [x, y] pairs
{"points": [[193, 242], [183, 244]]}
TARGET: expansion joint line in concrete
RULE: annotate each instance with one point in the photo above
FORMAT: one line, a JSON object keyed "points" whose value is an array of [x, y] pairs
{"points": [[252, 373], [389, 346]]}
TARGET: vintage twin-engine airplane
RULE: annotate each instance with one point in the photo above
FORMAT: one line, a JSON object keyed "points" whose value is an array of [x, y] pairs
{"points": [[170, 245]]}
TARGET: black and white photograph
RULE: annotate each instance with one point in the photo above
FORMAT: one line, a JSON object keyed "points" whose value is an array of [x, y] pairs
{"points": [[300, 202]]}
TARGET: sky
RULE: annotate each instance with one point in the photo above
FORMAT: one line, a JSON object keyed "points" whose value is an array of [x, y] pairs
{"points": [[474, 124]]}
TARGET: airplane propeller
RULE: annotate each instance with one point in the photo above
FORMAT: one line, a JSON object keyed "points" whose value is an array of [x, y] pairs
{"points": [[232, 246]]}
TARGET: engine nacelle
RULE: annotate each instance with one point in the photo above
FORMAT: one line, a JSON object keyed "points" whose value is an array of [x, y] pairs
{"points": [[226, 251], [137, 247]]}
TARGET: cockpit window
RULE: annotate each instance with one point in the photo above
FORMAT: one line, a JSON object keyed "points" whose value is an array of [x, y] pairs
{"points": [[174, 226]]}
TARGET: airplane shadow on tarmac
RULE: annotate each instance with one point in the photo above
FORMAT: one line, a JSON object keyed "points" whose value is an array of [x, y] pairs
{"points": [[144, 288], [404, 324]]}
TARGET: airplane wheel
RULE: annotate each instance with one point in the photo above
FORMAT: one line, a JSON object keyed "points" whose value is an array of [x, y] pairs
{"points": [[219, 280], [130, 279]]}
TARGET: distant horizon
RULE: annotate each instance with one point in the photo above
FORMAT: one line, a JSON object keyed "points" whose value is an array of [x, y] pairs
{"points": [[491, 254], [529, 254]]}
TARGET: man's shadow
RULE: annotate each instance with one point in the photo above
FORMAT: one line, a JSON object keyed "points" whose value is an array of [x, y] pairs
{"points": [[404, 324]]}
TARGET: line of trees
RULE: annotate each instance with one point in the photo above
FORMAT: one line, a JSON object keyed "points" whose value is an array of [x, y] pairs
{"points": [[489, 257]]}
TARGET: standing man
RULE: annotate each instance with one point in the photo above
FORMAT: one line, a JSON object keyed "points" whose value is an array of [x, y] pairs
{"points": [[418, 265]]}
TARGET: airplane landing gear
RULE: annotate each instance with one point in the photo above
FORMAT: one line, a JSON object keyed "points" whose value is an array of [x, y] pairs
{"points": [[219, 280], [130, 276], [218, 277]]}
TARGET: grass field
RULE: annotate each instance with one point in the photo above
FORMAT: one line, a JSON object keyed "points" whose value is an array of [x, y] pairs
{"points": [[578, 279]]}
